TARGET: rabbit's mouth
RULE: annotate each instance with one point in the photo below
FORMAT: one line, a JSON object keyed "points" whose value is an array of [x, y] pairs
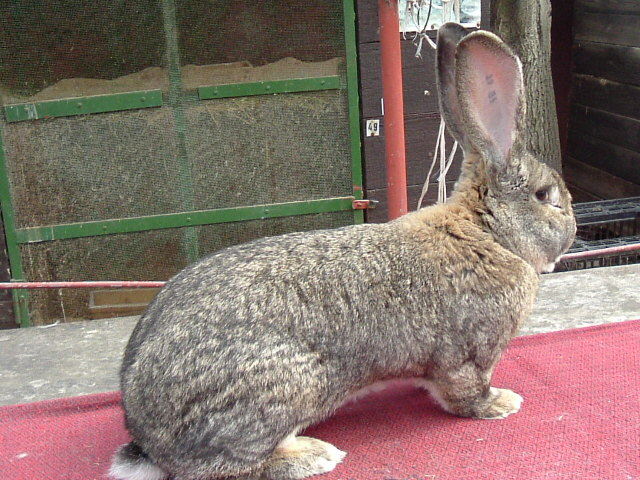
{"points": [[549, 267]]}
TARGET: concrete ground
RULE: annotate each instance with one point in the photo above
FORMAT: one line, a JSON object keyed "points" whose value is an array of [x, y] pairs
{"points": [[81, 358]]}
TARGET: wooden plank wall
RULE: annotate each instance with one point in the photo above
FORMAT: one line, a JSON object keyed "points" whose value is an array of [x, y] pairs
{"points": [[604, 135], [422, 118], [561, 64]]}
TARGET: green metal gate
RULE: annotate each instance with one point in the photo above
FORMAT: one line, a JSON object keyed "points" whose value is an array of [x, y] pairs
{"points": [[173, 145]]}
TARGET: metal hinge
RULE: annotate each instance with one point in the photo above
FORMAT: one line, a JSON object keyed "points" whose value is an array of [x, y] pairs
{"points": [[364, 204]]}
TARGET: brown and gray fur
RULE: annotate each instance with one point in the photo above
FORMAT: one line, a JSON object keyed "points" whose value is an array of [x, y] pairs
{"points": [[243, 349]]}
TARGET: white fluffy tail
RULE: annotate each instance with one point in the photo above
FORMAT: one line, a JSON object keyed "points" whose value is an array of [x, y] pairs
{"points": [[131, 463]]}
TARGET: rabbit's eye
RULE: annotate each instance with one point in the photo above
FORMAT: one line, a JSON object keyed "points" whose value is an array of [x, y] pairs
{"points": [[543, 195]]}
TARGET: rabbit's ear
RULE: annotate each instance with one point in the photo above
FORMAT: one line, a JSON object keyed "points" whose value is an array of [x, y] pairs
{"points": [[491, 94], [449, 35]]}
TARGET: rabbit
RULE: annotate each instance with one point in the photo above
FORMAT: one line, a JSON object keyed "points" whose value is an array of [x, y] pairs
{"points": [[243, 349]]}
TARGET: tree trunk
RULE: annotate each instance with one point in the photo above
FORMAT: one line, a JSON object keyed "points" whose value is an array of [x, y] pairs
{"points": [[525, 25]]}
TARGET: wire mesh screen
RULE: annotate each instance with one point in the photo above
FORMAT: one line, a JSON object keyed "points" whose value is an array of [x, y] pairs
{"points": [[268, 149], [186, 154], [124, 164], [72, 48], [93, 167], [266, 40], [152, 255]]}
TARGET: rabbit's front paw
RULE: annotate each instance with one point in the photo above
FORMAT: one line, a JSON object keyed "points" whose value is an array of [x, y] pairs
{"points": [[301, 457], [503, 403]]}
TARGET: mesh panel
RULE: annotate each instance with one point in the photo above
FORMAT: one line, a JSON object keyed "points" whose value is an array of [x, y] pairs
{"points": [[155, 255], [186, 155], [93, 167], [72, 48], [267, 40], [269, 149], [124, 164]]}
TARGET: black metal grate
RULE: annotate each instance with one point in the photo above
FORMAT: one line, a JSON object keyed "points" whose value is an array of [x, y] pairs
{"points": [[605, 224]]}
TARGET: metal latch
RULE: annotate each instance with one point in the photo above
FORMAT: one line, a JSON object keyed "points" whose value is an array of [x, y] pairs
{"points": [[364, 204]]}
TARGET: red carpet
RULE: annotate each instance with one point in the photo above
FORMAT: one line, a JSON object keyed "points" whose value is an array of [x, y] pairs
{"points": [[580, 420]]}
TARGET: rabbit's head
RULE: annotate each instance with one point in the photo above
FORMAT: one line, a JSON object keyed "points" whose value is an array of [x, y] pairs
{"points": [[522, 202]]}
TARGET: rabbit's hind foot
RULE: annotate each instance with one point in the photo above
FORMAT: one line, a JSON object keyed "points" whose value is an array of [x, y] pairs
{"points": [[504, 402], [301, 457], [466, 392]]}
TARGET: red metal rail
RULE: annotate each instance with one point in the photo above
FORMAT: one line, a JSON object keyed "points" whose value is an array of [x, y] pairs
{"points": [[104, 284], [155, 284], [602, 251]]}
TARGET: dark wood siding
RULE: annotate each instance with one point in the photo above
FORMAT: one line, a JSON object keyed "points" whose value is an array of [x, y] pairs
{"points": [[422, 119], [604, 137], [561, 41]]}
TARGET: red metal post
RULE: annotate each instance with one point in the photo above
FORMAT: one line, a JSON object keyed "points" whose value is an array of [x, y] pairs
{"points": [[393, 107]]}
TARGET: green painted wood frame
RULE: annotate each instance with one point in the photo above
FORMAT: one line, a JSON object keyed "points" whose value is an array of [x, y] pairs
{"points": [[353, 79], [20, 297], [83, 105], [174, 98], [183, 219], [292, 85]]}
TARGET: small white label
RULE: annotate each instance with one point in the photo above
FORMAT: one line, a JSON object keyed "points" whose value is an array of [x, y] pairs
{"points": [[373, 128]]}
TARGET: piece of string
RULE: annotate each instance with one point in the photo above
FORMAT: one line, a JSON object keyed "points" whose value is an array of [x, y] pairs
{"points": [[445, 161], [413, 10], [425, 187], [64, 313], [442, 179], [445, 165]]}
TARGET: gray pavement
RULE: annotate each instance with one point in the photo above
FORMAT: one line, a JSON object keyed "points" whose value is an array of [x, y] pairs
{"points": [[81, 358]]}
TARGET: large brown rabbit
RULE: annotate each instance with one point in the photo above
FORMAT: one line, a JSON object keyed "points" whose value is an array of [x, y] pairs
{"points": [[242, 350]]}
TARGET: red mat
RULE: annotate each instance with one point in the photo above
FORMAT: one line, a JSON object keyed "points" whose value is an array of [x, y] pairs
{"points": [[580, 420]]}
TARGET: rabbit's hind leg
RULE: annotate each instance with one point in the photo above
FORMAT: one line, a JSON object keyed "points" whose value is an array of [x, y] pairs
{"points": [[467, 392], [300, 457]]}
